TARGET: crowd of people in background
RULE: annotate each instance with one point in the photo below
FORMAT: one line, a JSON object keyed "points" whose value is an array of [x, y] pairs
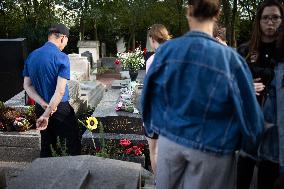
{"points": [[212, 105]]}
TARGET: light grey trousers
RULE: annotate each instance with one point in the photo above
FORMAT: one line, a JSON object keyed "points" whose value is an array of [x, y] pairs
{"points": [[185, 168]]}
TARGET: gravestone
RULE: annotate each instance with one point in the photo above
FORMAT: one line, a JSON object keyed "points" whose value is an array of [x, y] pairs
{"points": [[120, 45], [108, 62], [79, 64], [19, 146], [13, 53], [92, 47], [117, 124], [89, 57], [77, 172], [103, 49]]}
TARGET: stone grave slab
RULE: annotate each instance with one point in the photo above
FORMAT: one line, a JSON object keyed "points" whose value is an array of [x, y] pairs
{"points": [[80, 64], [118, 84], [76, 172], [92, 47], [19, 146], [117, 124], [92, 92]]}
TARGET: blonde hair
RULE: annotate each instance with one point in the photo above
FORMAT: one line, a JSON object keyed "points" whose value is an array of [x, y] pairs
{"points": [[159, 33]]}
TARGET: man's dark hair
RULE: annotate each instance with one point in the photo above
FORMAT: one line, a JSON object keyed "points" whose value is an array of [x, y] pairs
{"points": [[256, 31], [204, 9]]}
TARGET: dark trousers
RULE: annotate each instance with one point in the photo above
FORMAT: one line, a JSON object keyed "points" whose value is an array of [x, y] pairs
{"points": [[62, 129], [268, 172]]}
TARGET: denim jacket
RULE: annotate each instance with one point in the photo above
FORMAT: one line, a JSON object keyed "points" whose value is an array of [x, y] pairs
{"points": [[272, 145], [199, 93], [279, 75]]}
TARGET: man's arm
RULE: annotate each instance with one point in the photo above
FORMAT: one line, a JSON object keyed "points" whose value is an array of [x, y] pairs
{"points": [[32, 93], [52, 106]]}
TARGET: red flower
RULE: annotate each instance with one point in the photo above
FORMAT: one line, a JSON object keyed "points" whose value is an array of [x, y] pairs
{"points": [[128, 151], [145, 51], [124, 142], [1, 125], [140, 145], [138, 152], [98, 149], [117, 61]]}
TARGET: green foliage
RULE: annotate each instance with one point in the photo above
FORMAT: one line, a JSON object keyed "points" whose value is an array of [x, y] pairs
{"points": [[102, 138], [2, 105], [60, 149], [83, 115], [30, 111], [102, 70], [107, 21]]}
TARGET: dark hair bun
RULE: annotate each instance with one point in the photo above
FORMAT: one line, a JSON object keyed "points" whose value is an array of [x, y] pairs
{"points": [[205, 8]]}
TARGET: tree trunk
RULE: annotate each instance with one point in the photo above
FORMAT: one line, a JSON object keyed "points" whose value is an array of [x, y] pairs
{"points": [[227, 16], [96, 30], [233, 33], [82, 29], [133, 41], [180, 15]]}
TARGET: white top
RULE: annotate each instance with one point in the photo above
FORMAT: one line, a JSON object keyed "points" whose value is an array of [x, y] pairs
{"points": [[149, 62]]}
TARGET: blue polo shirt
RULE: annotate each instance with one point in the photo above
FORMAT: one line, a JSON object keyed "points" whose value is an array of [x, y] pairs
{"points": [[43, 66]]}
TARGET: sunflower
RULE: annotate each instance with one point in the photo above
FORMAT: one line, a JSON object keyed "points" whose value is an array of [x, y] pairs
{"points": [[92, 123]]}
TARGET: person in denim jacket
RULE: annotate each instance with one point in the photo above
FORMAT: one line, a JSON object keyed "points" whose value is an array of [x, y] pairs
{"points": [[260, 54], [199, 97]]}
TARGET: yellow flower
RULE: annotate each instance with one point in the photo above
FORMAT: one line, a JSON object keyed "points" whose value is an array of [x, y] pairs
{"points": [[92, 123]]}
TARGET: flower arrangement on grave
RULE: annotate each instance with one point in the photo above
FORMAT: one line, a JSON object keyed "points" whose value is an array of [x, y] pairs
{"points": [[21, 124], [123, 148], [127, 98], [131, 60], [16, 120]]}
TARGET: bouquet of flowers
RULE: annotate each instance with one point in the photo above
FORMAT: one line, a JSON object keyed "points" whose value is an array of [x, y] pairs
{"points": [[126, 99], [121, 148], [131, 60], [21, 124]]}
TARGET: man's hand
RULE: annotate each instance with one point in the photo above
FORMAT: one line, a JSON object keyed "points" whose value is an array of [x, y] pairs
{"points": [[41, 123], [258, 86]]}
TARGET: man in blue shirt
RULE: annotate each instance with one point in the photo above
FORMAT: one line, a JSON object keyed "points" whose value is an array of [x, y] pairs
{"points": [[46, 72]]}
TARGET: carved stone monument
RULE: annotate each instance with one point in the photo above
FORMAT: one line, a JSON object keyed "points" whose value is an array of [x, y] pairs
{"points": [[92, 47]]}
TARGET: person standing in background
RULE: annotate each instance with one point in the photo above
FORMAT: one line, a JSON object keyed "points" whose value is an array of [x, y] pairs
{"points": [[158, 34], [260, 53]]}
